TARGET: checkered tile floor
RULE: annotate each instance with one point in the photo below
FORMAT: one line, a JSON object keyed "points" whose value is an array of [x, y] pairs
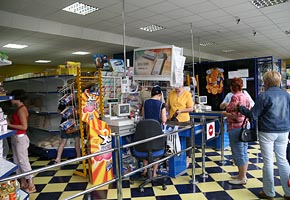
{"points": [[61, 183]]}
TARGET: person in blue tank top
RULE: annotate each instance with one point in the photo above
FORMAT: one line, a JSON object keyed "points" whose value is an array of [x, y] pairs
{"points": [[153, 108]]}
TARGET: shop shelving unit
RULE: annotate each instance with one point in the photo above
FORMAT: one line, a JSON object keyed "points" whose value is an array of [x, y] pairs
{"points": [[8, 167], [42, 105]]}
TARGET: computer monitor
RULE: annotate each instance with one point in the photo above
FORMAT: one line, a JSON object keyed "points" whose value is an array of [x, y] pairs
{"points": [[202, 99], [122, 110]]}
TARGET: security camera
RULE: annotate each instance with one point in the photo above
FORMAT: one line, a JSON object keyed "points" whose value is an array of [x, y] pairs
{"points": [[238, 20], [254, 33]]}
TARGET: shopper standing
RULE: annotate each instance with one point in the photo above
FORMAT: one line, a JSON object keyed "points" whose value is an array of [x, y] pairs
{"points": [[272, 109], [153, 108], [69, 133], [20, 141], [228, 97], [179, 104], [234, 122]]}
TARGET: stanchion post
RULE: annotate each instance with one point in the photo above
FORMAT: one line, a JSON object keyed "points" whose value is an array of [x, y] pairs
{"points": [[222, 140], [193, 180], [118, 166], [203, 144]]}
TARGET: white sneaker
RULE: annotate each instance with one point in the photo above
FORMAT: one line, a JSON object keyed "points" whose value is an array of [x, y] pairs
{"points": [[238, 182]]}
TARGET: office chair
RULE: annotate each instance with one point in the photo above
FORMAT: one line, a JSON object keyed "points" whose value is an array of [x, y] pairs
{"points": [[151, 150]]}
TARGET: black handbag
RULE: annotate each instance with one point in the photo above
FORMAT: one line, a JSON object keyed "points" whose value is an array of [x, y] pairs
{"points": [[248, 135]]}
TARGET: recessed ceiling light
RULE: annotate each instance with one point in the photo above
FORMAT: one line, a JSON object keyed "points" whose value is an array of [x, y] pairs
{"points": [[42, 61], [152, 28], [206, 44], [15, 46], [81, 53], [266, 3], [80, 8], [228, 50]]}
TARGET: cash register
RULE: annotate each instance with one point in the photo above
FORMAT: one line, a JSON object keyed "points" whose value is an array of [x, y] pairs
{"points": [[118, 118]]}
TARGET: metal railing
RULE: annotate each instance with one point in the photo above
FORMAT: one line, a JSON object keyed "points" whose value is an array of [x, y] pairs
{"points": [[119, 175]]}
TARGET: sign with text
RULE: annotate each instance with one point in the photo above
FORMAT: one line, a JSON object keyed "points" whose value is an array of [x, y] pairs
{"points": [[155, 63]]}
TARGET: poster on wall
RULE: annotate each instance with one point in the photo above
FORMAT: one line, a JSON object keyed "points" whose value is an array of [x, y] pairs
{"points": [[155, 63]]}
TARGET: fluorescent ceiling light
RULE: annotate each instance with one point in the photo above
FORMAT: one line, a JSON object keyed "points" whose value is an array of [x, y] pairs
{"points": [[80, 8], [81, 53], [228, 50], [15, 46], [42, 61], [266, 3], [152, 28], [206, 44]]}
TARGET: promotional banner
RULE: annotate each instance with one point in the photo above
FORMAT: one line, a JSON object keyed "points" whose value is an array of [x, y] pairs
{"points": [[100, 167], [156, 63]]}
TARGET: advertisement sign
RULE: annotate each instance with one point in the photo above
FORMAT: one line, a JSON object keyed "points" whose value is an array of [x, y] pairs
{"points": [[155, 63], [99, 139]]}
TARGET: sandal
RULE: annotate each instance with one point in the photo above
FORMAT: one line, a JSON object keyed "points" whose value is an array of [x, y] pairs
{"points": [[23, 184], [30, 189]]}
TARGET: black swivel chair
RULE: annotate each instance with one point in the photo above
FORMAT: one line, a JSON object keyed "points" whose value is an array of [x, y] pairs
{"points": [[151, 150]]}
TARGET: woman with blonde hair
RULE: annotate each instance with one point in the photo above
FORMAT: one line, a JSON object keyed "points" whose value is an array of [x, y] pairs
{"points": [[272, 109]]}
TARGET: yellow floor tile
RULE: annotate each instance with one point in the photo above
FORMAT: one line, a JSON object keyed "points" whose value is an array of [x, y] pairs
{"points": [[112, 193], [64, 173], [144, 198], [77, 178], [65, 195], [171, 190], [256, 173], [215, 158], [40, 163], [241, 194], [209, 187], [33, 196], [54, 187], [42, 180], [194, 196], [180, 180], [253, 183], [230, 168], [221, 176]]}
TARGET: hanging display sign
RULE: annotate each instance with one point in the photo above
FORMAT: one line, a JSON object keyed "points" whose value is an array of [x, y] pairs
{"points": [[158, 63], [99, 139], [215, 79]]}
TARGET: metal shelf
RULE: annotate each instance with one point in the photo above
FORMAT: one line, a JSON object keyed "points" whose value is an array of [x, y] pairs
{"points": [[6, 134]]}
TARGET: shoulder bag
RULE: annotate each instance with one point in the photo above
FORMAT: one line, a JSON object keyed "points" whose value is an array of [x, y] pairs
{"points": [[248, 135]]}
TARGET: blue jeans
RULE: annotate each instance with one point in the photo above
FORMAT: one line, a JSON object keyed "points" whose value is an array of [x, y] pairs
{"points": [[269, 143], [239, 149]]}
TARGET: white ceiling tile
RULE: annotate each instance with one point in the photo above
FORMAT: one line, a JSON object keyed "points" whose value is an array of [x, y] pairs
{"points": [[178, 13], [162, 7], [201, 7], [191, 19]]}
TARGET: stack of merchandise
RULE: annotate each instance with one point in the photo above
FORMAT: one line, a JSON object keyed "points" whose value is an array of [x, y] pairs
{"points": [[2, 90], [10, 190], [3, 122]]}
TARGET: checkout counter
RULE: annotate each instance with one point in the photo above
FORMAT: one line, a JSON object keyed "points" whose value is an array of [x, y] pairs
{"points": [[177, 164]]}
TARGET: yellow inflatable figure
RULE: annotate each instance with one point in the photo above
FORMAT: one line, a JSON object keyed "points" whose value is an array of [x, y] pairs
{"points": [[214, 79]]}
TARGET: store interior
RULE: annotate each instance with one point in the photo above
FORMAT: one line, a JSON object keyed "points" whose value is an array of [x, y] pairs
{"points": [[104, 57]]}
